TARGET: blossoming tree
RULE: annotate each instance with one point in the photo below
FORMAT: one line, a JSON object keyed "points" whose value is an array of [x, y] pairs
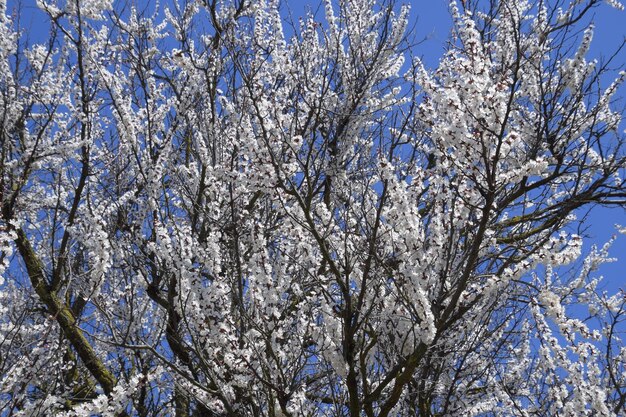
{"points": [[208, 212]]}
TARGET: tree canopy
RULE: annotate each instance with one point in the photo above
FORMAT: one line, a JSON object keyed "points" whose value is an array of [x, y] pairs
{"points": [[211, 209]]}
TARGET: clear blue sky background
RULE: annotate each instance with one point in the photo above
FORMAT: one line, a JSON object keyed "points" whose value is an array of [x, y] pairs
{"points": [[432, 23]]}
